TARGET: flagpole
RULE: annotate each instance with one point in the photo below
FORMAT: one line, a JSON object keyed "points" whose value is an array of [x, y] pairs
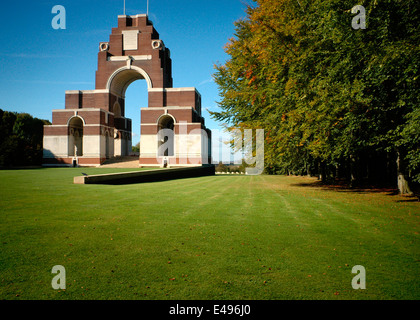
{"points": [[124, 7]]}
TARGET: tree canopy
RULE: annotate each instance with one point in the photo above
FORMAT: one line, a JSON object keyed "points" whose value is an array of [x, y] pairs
{"points": [[21, 138], [333, 100]]}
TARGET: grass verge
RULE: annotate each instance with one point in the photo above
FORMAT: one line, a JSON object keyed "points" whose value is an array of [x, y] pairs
{"points": [[219, 237]]}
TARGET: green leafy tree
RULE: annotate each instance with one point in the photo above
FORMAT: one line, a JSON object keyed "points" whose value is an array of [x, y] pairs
{"points": [[330, 98], [21, 138]]}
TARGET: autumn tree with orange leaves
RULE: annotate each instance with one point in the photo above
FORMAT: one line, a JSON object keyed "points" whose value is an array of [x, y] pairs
{"points": [[333, 101]]}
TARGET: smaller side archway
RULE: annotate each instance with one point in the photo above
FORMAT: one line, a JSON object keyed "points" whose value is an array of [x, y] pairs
{"points": [[75, 136], [117, 110], [166, 136]]}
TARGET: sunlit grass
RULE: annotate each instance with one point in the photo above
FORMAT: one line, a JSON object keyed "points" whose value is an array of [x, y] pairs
{"points": [[219, 237]]}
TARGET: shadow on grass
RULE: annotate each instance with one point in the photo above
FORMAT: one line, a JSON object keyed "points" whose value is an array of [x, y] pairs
{"points": [[341, 186], [22, 168]]}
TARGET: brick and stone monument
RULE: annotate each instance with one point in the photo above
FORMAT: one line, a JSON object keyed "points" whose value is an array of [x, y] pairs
{"points": [[93, 126]]}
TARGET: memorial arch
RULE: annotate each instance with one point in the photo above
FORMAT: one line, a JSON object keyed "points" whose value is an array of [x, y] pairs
{"points": [[133, 52]]}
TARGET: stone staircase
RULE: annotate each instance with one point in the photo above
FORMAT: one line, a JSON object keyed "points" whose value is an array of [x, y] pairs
{"points": [[122, 162]]}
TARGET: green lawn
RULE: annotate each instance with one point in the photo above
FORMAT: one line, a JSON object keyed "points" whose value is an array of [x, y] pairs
{"points": [[219, 237]]}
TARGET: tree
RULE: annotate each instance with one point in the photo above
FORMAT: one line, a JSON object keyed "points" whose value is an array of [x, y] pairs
{"points": [[21, 138], [221, 167], [136, 148], [330, 98]]}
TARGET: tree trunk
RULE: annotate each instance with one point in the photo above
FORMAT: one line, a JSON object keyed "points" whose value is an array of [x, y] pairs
{"points": [[402, 182], [318, 170], [354, 177], [388, 167], [323, 173], [337, 172]]}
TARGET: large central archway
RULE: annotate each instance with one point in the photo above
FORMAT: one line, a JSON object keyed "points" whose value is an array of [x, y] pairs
{"points": [[133, 52], [136, 99], [125, 128], [119, 81]]}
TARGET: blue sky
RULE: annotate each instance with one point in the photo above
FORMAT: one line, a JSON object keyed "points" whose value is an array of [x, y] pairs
{"points": [[38, 63]]}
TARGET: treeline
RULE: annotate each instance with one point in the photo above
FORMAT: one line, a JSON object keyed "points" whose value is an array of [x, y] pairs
{"points": [[334, 101], [21, 137], [221, 167]]}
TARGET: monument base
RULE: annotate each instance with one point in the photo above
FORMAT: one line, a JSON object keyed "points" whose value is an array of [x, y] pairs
{"points": [[146, 176]]}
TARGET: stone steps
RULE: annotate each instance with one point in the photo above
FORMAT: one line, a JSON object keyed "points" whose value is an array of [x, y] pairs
{"points": [[121, 162]]}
